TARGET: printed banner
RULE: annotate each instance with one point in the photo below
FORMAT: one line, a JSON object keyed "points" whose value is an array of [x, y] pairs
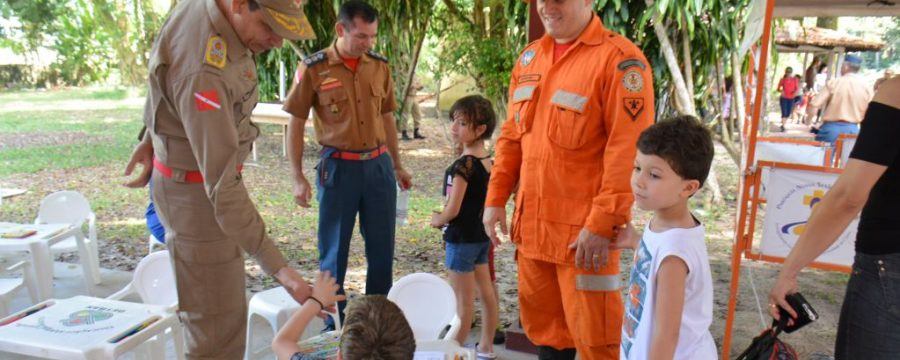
{"points": [[792, 194]]}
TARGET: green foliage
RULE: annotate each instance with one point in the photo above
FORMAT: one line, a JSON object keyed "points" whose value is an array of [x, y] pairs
{"points": [[92, 38], [465, 46]]}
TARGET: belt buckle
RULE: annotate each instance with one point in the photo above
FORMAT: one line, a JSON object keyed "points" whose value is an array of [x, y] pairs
{"points": [[365, 156]]}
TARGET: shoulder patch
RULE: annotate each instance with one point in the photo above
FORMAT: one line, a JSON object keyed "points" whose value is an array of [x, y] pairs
{"points": [[376, 55], [216, 51], [315, 58]]}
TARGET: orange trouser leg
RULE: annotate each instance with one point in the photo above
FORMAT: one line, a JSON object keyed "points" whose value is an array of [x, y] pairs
{"points": [[594, 317], [541, 304]]}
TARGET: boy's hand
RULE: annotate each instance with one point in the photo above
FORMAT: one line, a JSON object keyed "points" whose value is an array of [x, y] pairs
{"points": [[325, 290], [626, 237]]}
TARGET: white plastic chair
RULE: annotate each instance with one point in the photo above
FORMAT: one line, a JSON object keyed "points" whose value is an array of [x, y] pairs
{"points": [[9, 286], [275, 306], [153, 242], [429, 304], [70, 207], [154, 283]]}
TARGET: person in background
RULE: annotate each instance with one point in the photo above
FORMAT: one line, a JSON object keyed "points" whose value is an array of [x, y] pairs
{"points": [[415, 111], [870, 317], [788, 87], [466, 243], [844, 100], [888, 74]]}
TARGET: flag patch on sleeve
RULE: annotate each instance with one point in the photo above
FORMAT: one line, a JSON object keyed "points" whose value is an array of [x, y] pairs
{"points": [[207, 100]]}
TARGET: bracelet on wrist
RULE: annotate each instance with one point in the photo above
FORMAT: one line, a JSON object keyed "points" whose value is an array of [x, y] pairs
{"points": [[321, 306]]}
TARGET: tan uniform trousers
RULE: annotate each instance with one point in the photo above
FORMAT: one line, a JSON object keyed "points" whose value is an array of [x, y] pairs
{"points": [[414, 111], [209, 270]]}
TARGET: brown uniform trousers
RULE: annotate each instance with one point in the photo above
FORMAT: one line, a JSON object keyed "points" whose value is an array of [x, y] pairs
{"points": [[202, 91]]}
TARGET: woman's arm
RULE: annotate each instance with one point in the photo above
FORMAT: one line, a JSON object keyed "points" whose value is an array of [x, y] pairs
{"points": [[670, 283], [454, 202], [828, 220]]}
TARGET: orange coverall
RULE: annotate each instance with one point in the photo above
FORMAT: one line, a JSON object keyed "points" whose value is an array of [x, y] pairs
{"points": [[569, 141]]}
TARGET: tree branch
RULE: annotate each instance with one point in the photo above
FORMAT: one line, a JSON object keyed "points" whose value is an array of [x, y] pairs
{"points": [[451, 7]]}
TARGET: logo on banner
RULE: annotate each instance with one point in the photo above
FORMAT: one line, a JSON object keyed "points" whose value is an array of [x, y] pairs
{"points": [[799, 203]]}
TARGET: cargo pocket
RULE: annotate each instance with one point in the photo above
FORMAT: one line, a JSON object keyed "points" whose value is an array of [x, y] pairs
{"points": [[523, 108], [567, 119], [210, 275]]}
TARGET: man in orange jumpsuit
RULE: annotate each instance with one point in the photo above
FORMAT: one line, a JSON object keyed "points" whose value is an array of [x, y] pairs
{"points": [[579, 98]]}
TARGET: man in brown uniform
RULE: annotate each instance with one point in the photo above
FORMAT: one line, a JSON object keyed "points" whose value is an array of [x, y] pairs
{"points": [[351, 90], [845, 101], [203, 87], [414, 111]]}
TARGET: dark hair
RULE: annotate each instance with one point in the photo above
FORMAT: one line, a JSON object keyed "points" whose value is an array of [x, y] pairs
{"points": [[356, 9], [684, 143], [478, 111], [788, 69], [375, 328]]}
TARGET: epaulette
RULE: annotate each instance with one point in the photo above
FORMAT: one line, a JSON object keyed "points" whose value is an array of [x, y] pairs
{"points": [[376, 55], [622, 43], [315, 58]]}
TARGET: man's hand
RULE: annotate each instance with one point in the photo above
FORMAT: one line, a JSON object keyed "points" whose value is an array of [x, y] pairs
{"points": [[403, 178], [299, 289], [143, 155], [492, 216], [590, 249], [302, 191]]}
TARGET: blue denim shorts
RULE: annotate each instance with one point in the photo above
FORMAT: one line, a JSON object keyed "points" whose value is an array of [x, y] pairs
{"points": [[462, 257]]}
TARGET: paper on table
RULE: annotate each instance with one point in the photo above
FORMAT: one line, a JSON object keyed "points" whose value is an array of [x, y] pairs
{"points": [[429, 355]]}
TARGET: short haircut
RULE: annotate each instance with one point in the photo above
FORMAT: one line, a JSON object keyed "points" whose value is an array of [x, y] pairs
{"points": [[479, 111], [788, 69], [684, 143], [376, 329], [356, 9]]}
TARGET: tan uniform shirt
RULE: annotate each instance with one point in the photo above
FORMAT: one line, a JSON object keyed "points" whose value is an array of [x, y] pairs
{"points": [[845, 99], [349, 106], [202, 91]]}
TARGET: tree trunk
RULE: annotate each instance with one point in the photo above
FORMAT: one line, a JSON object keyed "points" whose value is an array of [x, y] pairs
{"points": [[682, 95], [688, 63], [412, 67], [737, 91]]}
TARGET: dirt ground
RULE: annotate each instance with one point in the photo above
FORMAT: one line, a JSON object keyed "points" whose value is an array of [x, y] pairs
{"points": [[418, 249]]}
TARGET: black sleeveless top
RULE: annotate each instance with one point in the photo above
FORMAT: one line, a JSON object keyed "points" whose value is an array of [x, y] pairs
{"points": [[466, 227]]}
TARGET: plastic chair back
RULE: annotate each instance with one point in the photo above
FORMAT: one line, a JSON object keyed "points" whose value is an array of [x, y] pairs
{"points": [[428, 303], [64, 207], [154, 280]]}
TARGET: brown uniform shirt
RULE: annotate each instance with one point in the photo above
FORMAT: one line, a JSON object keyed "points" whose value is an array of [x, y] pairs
{"points": [[845, 99], [202, 91], [349, 106]]}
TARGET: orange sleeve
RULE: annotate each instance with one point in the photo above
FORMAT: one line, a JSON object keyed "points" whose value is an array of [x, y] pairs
{"points": [[628, 109], [508, 157]]}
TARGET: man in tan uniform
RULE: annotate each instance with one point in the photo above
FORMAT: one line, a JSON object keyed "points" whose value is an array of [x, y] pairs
{"points": [[203, 87], [351, 90], [414, 111], [845, 100]]}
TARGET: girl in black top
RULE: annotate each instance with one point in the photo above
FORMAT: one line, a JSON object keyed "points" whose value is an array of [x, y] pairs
{"points": [[465, 187], [870, 314]]}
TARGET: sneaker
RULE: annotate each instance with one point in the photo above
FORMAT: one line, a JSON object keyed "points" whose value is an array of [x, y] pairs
{"points": [[481, 355], [782, 128]]}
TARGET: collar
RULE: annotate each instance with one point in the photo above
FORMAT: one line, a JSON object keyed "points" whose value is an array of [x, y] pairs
{"points": [[591, 35], [223, 28], [334, 56]]}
